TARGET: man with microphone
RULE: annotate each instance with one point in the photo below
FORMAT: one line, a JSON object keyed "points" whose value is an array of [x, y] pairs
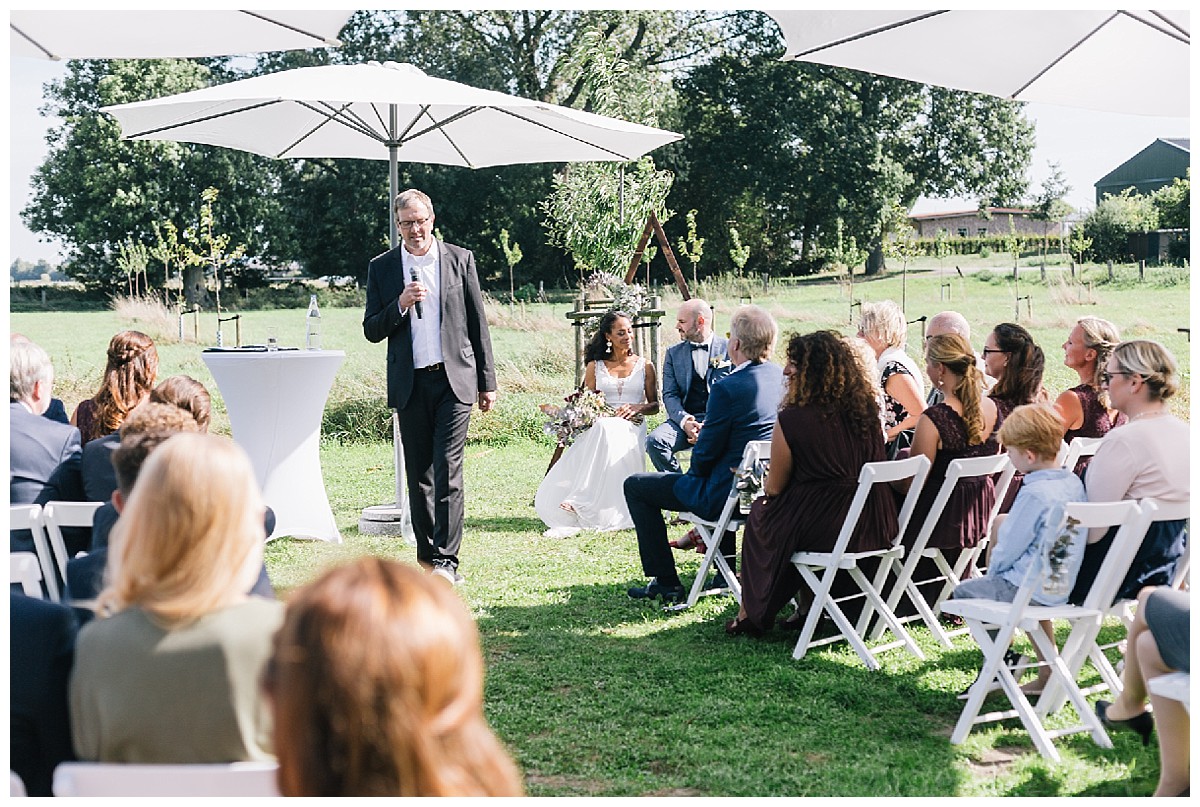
{"points": [[423, 297]]}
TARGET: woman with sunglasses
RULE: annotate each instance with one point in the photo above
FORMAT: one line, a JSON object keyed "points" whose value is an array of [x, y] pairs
{"points": [[1016, 362], [1146, 458], [1086, 410]]}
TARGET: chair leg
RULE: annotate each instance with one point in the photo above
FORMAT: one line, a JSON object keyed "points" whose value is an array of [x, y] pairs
{"points": [[1060, 671], [877, 603]]}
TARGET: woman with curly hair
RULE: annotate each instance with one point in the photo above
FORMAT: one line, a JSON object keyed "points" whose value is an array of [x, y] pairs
{"points": [[585, 489], [129, 374], [376, 684], [1086, 410], [828, 428], [963, 425]]}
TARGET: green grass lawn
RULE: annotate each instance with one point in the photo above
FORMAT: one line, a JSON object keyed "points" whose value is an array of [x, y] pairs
{"points": [[597, 694]]}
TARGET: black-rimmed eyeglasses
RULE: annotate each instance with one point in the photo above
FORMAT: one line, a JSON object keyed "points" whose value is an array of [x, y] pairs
{"points": [[988, 350], [408, 225], [1106, 377]]}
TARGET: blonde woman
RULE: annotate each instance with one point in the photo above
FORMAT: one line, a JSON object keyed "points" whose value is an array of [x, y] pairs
{"points": [[130, 369], [169, 670], [376, 684], [884, 329], [1086, 410]]}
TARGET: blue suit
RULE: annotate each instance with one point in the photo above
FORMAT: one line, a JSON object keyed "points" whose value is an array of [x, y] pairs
{"points": [[677, 375], [43, 466], [741, 408]]}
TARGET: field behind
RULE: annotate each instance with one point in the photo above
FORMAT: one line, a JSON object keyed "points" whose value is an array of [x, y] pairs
{"points": [[599, 695]]}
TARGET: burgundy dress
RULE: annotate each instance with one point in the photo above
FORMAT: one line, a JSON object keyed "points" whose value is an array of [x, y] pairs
{"points": [[1096, 422], [1004, 408], [964, 521], [85, 420], [827, 457]]}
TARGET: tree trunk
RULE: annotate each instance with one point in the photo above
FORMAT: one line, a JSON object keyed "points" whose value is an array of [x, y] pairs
{"points": [[194, 291], [875, 262]]}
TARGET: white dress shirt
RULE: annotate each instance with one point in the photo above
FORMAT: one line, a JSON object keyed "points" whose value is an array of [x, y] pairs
{"points": [[700, 358], [426, 329]]}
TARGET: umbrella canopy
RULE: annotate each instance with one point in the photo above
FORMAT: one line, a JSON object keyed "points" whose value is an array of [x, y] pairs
{"points": [[1136, 62], [85, 34], [384, 111]]}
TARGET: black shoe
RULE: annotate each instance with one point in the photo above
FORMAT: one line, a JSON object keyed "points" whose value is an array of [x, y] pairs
{"points": [[716, 583], [654, 589], [1142, 724], [445, 570]]}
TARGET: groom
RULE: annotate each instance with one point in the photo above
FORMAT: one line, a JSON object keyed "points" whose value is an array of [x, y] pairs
{"points": [[690, 368], [743, 407]]}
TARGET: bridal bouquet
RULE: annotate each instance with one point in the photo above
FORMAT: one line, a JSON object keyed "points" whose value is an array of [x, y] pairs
{"points": [[567, 422]]}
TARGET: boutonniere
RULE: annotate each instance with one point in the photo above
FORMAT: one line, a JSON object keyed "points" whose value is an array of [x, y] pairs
{"points": [[717, 362]]}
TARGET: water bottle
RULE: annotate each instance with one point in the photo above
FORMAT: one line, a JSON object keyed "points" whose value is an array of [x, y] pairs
{"points": [[312, 332]]}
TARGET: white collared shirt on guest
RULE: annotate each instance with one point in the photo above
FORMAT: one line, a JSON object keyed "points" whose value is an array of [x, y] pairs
{"points": [[426, 329]]}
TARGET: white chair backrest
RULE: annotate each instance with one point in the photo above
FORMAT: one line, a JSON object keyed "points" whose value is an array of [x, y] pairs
{"points": [[1133, 520], [874, 473], [57, 515], [1077, 449], [962, 469], [15, 786], [23, 568], [30, 517], [112, 779]]}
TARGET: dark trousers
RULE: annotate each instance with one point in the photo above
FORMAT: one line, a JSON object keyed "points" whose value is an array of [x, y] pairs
{"points": [[433, 427], [648, 495]]}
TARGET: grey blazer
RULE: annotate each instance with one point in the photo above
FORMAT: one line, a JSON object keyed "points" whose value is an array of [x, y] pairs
{"points": [[678, 371], [466, 343]]}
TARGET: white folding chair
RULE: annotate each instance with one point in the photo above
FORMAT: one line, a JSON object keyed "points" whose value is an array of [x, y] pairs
{"points": [[114, 779], [57, 515], [957, 471], [711, 532], [23, 568], [1079, 448], [1124, 609], [993, 624], [1083, 643], [1175, 686], [29, 517], [809, 563]]}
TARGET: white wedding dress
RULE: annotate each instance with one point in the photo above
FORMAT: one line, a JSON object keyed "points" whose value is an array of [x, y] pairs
{"points": [[591, 473]]}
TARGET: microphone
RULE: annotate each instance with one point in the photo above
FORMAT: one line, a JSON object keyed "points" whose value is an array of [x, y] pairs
{"points": [[415, 279]]}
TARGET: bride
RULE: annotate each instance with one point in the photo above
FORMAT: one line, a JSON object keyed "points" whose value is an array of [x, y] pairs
{"points": [[584, 489]]}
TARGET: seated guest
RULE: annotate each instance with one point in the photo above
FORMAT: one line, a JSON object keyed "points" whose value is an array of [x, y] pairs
{"points": [[147, 427], [963, 425], [41, 645], [884, 329], [1032, 435], [741, 407], [951, 322], [1016, 362], [1159, 644], [129, 373], [56, 411], [1148, 457], [180, 391], [168, 672], [828, 428], [1085, 409], [376, 687], [43, 458]]}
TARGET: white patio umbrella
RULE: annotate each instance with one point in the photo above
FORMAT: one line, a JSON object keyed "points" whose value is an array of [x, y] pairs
{"points": [[384, 111], [1135, 62], [107, 34]]}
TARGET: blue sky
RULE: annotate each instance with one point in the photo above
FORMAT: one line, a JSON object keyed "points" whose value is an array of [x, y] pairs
{"points": [[1087, 145]]}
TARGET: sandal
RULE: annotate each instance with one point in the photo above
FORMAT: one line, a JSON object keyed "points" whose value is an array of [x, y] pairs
{"points": [[690, 539], [742, 627]]}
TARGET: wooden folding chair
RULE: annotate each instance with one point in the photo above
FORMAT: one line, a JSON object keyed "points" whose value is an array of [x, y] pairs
{"points": [[57, 515], [809, 563], [711, 532], [29, 517], [116, 779], [993, 624], [24, 569], [949, 575]]}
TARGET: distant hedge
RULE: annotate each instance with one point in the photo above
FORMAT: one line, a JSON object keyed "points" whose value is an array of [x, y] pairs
{"points": [[994, 244]]}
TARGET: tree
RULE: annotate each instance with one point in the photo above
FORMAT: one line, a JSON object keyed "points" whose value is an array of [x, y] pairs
{"points": [[737, 253], [692, 246], [512, 256], [1049, 207], [1115, 219], [95, 191], [210, 248], [1079, 244], [1173, 203], [133, 257]]}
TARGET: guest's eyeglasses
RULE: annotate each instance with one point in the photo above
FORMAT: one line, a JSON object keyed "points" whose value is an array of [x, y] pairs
{"points": [[408, 225], [1106, 377], [988, 350]]}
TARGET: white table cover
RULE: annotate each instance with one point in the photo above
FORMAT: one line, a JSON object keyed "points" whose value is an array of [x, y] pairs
{"points": [[275, 402]]}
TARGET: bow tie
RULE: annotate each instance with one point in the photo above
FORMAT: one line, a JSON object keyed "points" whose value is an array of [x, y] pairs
{"points": [[695, 346]]}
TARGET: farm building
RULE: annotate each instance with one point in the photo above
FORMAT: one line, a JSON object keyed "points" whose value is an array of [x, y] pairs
{"points": [[966, 223], [1153, 167]]}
